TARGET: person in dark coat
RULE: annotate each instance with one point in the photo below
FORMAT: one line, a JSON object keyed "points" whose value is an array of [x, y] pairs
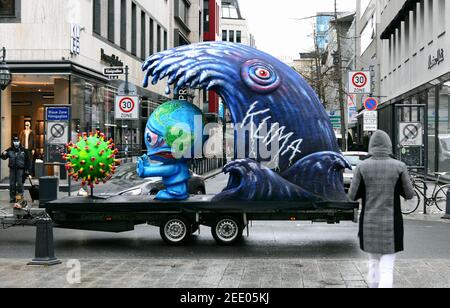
{"points": [[380, 181], [18, 168]]}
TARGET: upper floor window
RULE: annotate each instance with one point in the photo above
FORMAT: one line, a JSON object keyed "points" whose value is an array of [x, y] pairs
{"points": [[182, 11], [97, 16], [7, 8], [229, 11]]}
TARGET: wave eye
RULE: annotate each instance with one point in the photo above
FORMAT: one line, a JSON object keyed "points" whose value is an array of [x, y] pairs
{"points": [[262, 73], [260, 76]]}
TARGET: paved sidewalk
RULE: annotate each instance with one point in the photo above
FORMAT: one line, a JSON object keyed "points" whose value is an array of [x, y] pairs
{"points": [[248, 273]]}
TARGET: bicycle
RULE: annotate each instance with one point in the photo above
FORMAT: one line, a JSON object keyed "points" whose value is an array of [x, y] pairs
{"points": [[437, 198]]}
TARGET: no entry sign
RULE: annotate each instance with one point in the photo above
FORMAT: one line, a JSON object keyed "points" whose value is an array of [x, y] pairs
{"points": [[127, 108], [359, 82]]}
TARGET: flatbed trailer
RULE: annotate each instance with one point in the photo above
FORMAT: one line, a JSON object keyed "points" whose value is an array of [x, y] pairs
{"points": [[179, 220]]}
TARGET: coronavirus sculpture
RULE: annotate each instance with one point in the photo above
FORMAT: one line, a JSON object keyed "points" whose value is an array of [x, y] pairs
{"points": [[92, 159]]}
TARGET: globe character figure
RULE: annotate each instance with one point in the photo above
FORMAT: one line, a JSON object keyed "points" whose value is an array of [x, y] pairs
{"points": [[173, 132]]}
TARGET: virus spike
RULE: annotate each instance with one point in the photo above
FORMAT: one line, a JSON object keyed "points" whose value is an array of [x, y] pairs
{"points": [[93, 159], [101, 152], [83, 183], [81, 171], [75, 157], [86, 148], [83, 162], [91, 168], [117, 162], [91, 134]]}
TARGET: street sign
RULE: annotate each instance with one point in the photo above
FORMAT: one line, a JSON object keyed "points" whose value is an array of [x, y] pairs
{"points": [[114, 71], [57, 132], [58, 114], [127, 108], [352, 110], [411, 134], [359, 82], [371, 104], [370, 121], [335, 121]]}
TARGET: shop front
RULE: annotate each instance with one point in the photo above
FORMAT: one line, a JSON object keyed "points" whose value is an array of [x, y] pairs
{"points": [[435, 99], [91, 97]]}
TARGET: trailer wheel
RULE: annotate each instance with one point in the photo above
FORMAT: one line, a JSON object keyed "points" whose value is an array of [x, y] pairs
{"points": [[227, 231], [175, 230]]}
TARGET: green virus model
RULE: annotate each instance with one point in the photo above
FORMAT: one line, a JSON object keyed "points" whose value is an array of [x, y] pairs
{"points": [[92, 159]]}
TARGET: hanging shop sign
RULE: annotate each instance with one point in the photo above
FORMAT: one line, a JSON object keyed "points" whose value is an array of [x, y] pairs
{"points": [[75, 39]]}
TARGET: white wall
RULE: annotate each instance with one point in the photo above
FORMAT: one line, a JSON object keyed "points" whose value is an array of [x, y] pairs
{"points": [[405, 67]]}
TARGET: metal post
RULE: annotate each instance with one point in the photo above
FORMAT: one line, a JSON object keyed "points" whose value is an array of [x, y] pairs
{"points": [[44, 248], [447, 210], [340, 81]]}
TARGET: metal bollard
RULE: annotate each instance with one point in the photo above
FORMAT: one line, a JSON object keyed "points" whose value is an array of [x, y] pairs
{"points": [[44, 249], [447, 210]]}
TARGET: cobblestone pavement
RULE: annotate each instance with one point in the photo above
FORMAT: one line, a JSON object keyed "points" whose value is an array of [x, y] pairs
{"points": [[246, 273]]}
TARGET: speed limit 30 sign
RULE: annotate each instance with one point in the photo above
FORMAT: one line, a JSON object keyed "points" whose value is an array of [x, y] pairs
{"points": [[359, 82], [127, 108]]}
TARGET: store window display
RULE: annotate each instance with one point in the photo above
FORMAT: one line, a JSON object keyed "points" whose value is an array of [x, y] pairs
{"points": [[27, 139]]}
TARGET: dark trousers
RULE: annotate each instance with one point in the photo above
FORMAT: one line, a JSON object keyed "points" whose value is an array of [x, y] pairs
{"points": [[15, 183]]}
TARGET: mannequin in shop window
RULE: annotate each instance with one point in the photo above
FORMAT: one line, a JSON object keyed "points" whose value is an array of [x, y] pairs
{"points": [[27, 139]]}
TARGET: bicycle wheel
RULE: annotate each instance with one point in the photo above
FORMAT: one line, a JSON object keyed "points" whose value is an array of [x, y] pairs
{"points": [[440, 199], [410, 206]]}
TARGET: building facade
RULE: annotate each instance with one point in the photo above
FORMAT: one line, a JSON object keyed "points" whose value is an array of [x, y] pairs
{"points": [[234, 27], [415, 70], [330, 74], [57, 51]]}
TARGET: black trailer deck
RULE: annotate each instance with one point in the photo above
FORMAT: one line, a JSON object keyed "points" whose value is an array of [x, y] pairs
{"points": [[227, 219]]}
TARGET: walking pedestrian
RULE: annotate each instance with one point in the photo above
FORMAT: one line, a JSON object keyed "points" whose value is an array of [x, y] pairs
{"points": [[380, 181], [18, 168]]}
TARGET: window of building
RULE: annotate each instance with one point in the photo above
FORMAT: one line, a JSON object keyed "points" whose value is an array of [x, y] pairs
{"points": [[143, 36], [158, 38], [97, 17], [432, 130], [238, 36], [368, 34], [111, 18], [152, 36], [182, 11], [206, 16], [133, 29], [123, 24], [229, 11], [444, 128], [224, 35], [231, 32], [165, 40], [7, 8]]}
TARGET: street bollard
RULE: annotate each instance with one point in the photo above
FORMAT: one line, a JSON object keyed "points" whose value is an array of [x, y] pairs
{"points": [[447, 210], [44, 249]]}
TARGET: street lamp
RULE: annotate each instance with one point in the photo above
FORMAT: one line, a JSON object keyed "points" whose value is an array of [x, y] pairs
{"points": [[5, 80], [5, 74]]}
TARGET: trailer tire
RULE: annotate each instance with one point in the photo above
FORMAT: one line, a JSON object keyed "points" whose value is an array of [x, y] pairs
{"points": [[175, 230], [227, 231]]}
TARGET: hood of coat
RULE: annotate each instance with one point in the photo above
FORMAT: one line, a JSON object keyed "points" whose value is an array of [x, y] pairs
{"points": [[380, 145]]}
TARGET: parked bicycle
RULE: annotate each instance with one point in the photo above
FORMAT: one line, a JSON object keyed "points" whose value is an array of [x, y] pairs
{"points": [[437, 198]]}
